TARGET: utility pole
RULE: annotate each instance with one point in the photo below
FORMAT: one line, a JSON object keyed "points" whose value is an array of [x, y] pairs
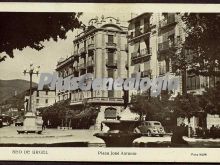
{"points": [[31, 72]]}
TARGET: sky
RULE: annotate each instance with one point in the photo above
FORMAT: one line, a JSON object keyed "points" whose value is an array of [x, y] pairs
{"points": [[12, 68]]}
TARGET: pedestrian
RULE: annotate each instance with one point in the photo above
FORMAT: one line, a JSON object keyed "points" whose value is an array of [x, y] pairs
{"points": [[44, 125], [212, 131]]}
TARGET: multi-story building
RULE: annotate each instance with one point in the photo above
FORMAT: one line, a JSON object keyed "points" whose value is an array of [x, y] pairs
{"points": [[142, 39], [40, 98], [101, 50], [152, 39]]}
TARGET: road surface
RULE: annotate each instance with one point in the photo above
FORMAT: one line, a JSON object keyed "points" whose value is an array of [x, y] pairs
{"points": [[9, 135]]}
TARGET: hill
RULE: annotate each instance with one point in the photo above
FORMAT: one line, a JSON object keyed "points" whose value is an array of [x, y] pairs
{"points": [[8, 88]]}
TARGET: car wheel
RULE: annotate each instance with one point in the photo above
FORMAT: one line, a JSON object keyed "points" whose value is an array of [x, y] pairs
{"points": [[149, 133]]}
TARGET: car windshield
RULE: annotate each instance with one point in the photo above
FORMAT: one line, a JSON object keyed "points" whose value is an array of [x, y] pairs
{"points": [[156, 123]]}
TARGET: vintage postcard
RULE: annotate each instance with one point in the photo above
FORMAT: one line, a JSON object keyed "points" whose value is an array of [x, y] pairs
{"points": [[110, 82]]}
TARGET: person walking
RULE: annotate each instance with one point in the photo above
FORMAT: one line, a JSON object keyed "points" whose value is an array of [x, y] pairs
{"points": [[44, 125]]}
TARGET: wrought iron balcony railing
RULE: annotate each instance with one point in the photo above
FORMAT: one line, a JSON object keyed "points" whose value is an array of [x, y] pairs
{"points": [[91, 46], [82, 50], [110, 45], [143, 53], [166, 45]]}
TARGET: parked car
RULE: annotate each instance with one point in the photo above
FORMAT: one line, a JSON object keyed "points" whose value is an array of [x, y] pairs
{"points": [[150, 128], [6, 120], [19, 121]]}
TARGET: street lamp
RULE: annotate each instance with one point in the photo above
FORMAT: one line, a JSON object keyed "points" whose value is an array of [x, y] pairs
{"points": [[31, 121], [32, 70]]}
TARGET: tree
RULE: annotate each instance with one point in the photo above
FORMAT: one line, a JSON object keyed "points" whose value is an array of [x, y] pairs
{"points": [[209, 101], [203, 37], [186, 105], [155, 108], [140, 104], [19, 30]]}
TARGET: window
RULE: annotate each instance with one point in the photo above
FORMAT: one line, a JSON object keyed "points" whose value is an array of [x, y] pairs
{"points": [[146, 25], [46, 92], [46, 101], [37, 93], [137, 28], [162, 67], [37, 100], [85, 44], [110, 57], [110, 39], [156, 123], [193, 82], [137, 24]]}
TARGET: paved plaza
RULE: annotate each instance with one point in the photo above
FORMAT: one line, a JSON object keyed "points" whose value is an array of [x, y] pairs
{"points": [[9, 135]]}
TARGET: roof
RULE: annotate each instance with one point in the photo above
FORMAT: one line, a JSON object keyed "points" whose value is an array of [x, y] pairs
{"points": [[139, 16]]}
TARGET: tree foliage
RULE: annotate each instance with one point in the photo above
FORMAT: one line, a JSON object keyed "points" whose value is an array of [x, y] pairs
{"points": [[203, 38], [154, 108], [209, 101], [19, 30], [81, 117], [186, 105]]}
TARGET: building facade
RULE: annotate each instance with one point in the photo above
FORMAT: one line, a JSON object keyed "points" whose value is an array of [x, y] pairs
{"points": [[40, 99], [142, 46], [152, 39], [101, 49]]}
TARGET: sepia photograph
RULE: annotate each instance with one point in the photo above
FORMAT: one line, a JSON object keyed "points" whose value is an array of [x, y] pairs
{"points": [[105, 80]]}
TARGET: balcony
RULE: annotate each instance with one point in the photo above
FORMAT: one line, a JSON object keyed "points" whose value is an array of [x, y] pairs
{"points": [[144, 54], [111, 63], [75, 68], [82, 50], [76, 102], [166, 45], [138, 32], [65, 62], [82, 66], [90, 63], [146, 73], [91, 46], [110, 45], [171, 20]]}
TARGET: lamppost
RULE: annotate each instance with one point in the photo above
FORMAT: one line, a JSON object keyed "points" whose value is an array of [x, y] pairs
{"points": [[31, 72]]}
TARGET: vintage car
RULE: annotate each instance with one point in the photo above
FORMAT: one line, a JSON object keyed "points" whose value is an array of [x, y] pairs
{"points": [[150, 128]]}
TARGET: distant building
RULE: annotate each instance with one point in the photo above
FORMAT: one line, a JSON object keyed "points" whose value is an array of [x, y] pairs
{"points": [[40, 98], [100, 49]]}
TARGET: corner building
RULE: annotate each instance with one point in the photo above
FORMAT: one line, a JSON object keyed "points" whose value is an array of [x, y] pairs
{"points": [[101, 49]]}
